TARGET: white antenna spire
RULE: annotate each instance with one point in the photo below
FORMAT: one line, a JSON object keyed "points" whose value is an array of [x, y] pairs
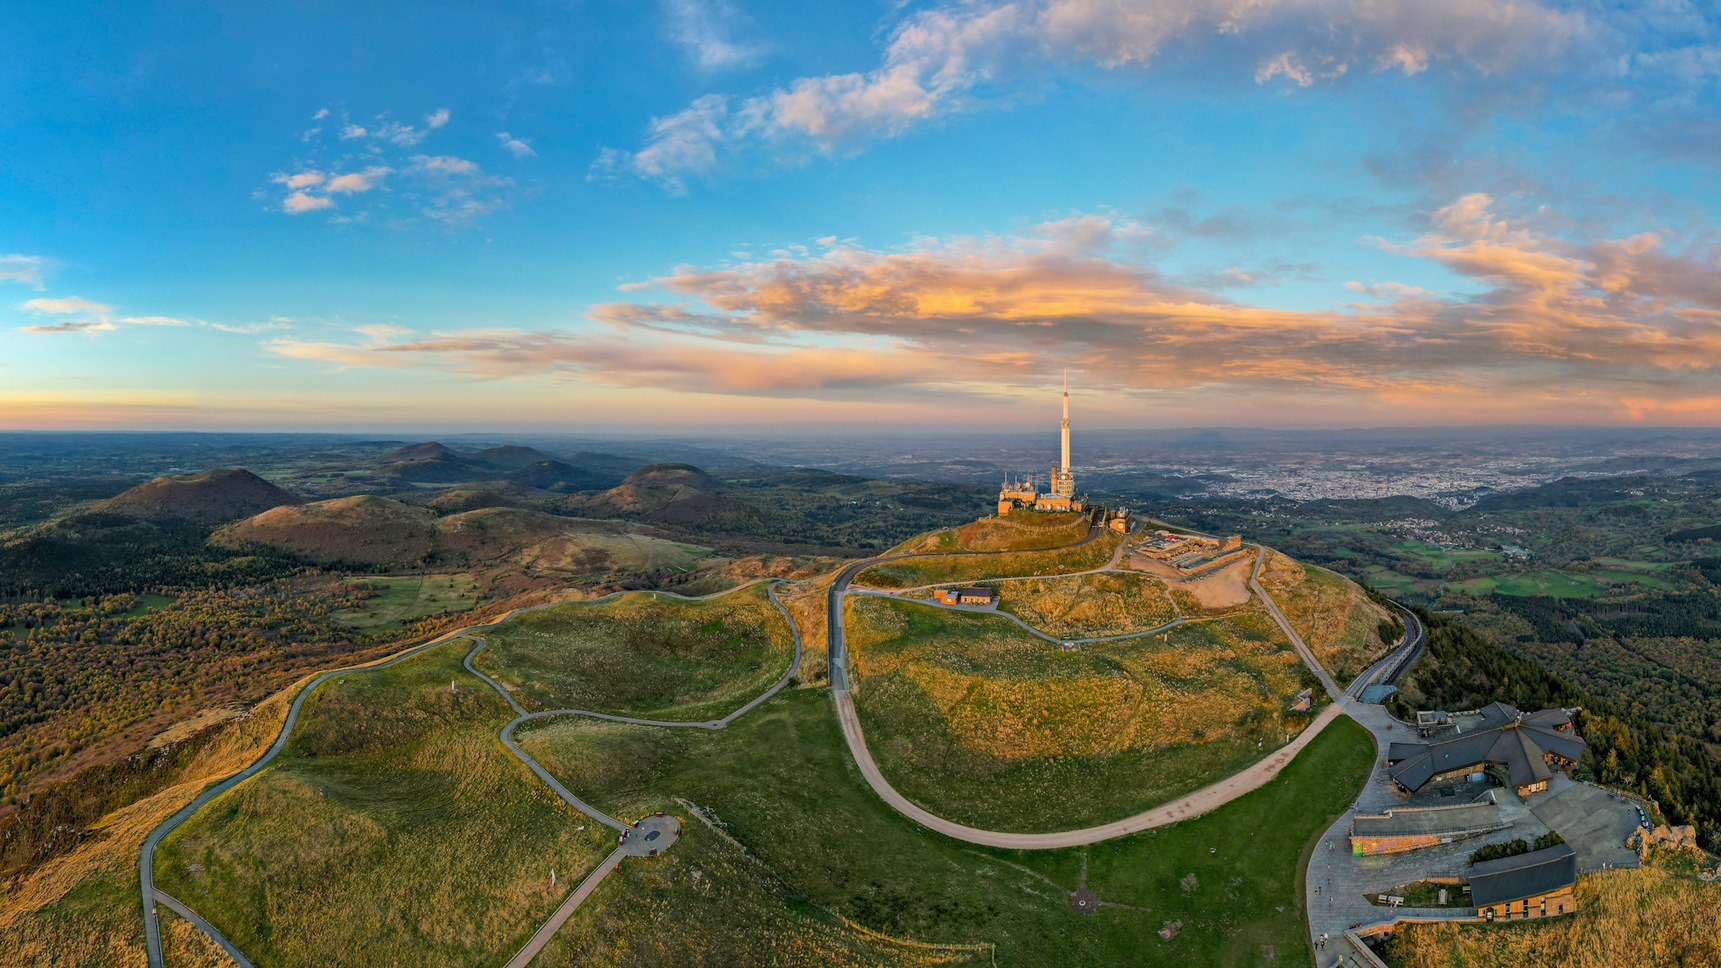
{"points": [[1066, 425]]}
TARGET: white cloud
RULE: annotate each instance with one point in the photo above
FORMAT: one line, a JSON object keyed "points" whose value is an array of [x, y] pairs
{"points": [[444, 164], [358, 181], [156, 321], [381, 331], [298, 180], [943, 59], [24, 269], [705, 28], [680, 144], [320, 115], [444, 187], [66, 305], [518, 147], [299, 203]]}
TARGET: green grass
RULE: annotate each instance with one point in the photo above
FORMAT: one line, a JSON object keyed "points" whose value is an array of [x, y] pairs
{"points": [[393, 829], [707, 902], [1396, 584], [148, 602], [405, 597], [645, 655], [986, 725], [1423, 553], [781, 781], [942, 569]]}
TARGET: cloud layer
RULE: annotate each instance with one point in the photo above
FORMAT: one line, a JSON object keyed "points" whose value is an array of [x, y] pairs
{"points": [[1534, 319]]}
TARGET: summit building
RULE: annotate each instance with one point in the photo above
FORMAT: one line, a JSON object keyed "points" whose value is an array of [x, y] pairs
{"points": [[1025, 494]]}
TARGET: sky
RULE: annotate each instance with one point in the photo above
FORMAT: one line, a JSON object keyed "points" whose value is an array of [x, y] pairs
{"points": [[698, 215]]}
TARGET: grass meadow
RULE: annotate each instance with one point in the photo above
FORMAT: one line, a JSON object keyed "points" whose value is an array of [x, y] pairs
{"points": [[393, 829], [645, 655], [401, 598], [781, 783], [944, 569], [1089, 605], [986, 725]]}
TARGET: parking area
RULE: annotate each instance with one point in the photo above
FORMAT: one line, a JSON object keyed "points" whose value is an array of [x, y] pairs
{"points": [[1595, 822]]}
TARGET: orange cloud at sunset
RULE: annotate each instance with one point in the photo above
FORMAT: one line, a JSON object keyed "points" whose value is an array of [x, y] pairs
{"points": [[1558, 330]]}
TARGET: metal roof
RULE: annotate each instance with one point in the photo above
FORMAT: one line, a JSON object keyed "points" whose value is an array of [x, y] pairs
{"points": [[1505, 737], [1525, 875]]}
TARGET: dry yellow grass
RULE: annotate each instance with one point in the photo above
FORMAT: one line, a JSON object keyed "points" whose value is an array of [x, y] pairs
{"points": [[1020, 532], [981, 722], [808, 603], [82, 908], [1639, 918], [1333, 614], [1090, 605], [183, 946]]}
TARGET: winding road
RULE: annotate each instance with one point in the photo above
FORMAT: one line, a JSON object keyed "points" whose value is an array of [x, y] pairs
{"points": [[631, 841], [631, 838], [1252, 777]]}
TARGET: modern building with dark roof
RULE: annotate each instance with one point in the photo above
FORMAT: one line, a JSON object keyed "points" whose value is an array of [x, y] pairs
{"points": [[1529, 747], [1399, 830], [1533, 885]]}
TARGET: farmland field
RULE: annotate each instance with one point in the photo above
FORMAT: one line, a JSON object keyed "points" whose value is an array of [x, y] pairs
{"points": [[986, 725], [392, 805], [781, 783], [646, 655], [401, 598]]}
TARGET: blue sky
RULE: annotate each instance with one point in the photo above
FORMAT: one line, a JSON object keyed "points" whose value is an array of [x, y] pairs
{"points": [[730, 213]]}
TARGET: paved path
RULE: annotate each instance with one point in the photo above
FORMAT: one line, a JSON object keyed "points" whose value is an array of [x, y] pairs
{"points": [[566, 910], [647, 838], [207, 928], [146, 856], [1252, 777]]}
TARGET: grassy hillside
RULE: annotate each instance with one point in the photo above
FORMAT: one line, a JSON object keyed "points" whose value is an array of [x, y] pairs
{"points": [[1626, 917], [1018, 532], [986, 725], [644, 654], [1333, 614], [941, 569], [782, 785], [708, 902], [378, 531], [1090, 605], [394, 829]]}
